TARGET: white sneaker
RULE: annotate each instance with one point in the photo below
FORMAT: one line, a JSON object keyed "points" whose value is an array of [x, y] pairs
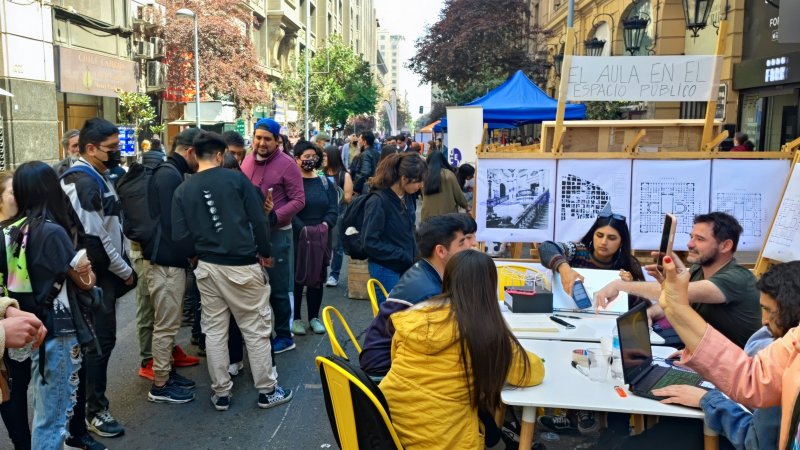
{"points": [[332, 282], [234, 369]]}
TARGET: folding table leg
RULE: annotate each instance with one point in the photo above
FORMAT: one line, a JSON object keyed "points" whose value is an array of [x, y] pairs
{"points": [[710, 438], [528, 422]]}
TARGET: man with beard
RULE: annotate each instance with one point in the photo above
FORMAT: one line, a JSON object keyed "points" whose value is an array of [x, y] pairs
{"points": [[279, 178], [69, 142], [723, 292], [97, 206]]}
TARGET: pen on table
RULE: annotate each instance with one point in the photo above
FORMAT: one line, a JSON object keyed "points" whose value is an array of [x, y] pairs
{"points": [[580, 368], [562, 322], [566, 316]]}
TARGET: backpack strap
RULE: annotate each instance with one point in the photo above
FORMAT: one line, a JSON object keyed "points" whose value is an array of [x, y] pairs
{"points": [[324, 179], [80, 168]]}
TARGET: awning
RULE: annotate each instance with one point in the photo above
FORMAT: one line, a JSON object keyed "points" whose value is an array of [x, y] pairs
{"points": [[6, 93], [192, 122]]}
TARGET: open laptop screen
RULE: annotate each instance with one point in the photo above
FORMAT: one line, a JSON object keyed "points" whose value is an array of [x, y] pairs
{"points": [[634, 342]]}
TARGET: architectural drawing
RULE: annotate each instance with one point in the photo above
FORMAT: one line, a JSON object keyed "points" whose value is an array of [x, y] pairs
{"points": [[786, 225], [657, 198], [518, 198], [581, 199], [745, 207]]}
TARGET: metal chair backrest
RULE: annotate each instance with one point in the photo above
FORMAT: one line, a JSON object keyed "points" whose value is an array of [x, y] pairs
{"points": [[327, 320]]}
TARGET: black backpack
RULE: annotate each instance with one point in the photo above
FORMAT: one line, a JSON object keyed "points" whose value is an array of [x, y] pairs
{"points": [[353, 240], [140, 218]]}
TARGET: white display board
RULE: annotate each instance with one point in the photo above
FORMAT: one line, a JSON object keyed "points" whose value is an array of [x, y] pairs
{"points": [[465, 131], [594, 280], [750, 192], [674, 78], [584, 188], [515, 200], [783, 243], [667, 186]]}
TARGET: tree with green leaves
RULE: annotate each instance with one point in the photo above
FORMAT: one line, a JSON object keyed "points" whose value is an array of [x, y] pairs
{"points": [[136, 110], [341, 85]]}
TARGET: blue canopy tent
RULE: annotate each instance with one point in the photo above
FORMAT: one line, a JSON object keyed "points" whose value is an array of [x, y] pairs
{"points": [[519, 102]]}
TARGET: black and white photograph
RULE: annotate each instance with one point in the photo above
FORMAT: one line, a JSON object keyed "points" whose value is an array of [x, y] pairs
{"points": [[516, 199]]}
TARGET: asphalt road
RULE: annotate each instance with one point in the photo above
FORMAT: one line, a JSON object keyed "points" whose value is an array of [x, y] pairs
{"points": [[301, 424]]}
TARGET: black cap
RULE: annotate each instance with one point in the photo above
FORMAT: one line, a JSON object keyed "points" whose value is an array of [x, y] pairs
{"points": [[187, 136]]}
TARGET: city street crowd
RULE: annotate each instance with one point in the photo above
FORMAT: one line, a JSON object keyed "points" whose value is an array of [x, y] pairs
{"points": [[233, 242]]}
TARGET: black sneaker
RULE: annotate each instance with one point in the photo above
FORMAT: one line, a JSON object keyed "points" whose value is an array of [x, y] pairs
{"points": [[86, 442], [221, 403], [558, 424], [169, 393], [104, 424], [181, 381], [587, 422], [277, 397]]}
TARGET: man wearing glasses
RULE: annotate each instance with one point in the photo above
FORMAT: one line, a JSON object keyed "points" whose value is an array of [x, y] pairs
{"points": [[97, 205]]}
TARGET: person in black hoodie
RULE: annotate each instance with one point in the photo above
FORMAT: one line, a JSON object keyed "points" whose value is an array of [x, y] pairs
{"points": [[389, 218], [219, 210], [169, 259]]}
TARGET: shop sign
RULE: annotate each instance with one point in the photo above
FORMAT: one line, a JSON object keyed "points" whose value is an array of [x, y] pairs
{"points": [[82, 72], [127, 141]]}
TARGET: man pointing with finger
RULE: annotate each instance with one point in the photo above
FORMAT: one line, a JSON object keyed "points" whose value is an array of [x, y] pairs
{"points": [[720, 290]]}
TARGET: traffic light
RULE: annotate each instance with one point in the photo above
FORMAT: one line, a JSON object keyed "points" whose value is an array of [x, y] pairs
{"points": [[420, 109]]}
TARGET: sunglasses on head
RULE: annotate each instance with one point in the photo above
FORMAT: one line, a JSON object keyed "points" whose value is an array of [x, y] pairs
{"points": [[606, 215]]}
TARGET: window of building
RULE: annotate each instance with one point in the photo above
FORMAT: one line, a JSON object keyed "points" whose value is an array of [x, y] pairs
{"points": [[313, 19], [693, 110]]}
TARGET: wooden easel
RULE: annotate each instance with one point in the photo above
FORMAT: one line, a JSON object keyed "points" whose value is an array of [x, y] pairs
{"points": [[763, 264]]}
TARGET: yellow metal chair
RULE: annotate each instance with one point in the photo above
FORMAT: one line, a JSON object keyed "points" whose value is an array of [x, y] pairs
{"points": [[373, 296], [327, 320], [357, 411], [517, 276]]}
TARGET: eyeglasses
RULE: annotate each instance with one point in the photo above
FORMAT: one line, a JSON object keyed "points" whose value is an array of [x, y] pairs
{"points": [[109, 148], [614, 216], [309, 158]]}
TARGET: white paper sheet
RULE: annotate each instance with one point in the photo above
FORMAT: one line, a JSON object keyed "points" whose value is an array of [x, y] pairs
{"points": [[594, 280], [783, 243]]}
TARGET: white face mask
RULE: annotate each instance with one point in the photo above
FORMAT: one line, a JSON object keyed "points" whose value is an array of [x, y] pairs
{"points": [[470, 183]]}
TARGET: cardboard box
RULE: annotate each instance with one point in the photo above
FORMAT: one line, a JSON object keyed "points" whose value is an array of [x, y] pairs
{"points": [[529, 299]]}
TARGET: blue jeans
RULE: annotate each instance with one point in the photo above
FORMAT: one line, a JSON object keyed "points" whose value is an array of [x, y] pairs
{"points": [[338, 246], [281, 281], [54, 401], [386, 276]]}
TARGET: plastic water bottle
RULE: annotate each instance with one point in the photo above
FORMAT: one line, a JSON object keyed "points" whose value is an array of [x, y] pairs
{"points": [[616, 356], [21, 354]]}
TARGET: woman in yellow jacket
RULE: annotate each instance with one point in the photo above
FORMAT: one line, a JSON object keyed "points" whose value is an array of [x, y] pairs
{"points": [[433, 390]]}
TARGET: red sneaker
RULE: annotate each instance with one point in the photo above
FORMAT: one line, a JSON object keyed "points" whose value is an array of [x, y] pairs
{"points": [[181, 359], [147, 371]]}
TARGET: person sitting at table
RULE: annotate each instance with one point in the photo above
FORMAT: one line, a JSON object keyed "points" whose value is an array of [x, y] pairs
{"points": [[721, 291], [451, 356], [780, 311], [438, 239], [770, 378], [607, 245]]}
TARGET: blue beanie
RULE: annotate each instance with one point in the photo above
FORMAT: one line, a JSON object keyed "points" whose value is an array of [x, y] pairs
{"points": [[268, 125]]}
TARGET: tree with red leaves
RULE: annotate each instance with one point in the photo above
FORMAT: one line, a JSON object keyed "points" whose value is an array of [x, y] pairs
{"points": [[476, 45], [229, 67]]}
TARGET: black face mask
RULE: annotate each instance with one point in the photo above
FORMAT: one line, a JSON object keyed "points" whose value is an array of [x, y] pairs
{"points": [[114, 159]]}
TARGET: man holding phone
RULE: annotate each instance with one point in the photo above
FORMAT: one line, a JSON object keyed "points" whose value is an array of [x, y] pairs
{"points": [[723, 292]]}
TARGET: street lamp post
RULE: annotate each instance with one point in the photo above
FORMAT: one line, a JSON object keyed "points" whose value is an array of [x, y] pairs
{"points": [[185, 12]]}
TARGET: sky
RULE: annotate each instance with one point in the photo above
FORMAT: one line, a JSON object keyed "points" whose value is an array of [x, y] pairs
{"points": [[409, 19]]}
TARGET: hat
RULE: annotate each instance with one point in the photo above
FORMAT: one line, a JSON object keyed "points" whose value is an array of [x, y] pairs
{"points": [[269, 125], [187, 136], [322, 136]]}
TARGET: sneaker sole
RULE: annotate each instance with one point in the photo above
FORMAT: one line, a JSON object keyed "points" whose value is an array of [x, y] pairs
{"points": [[278, 403], [94, 430], [299, 333], [291, 347], [220, 408], [164, 399]]}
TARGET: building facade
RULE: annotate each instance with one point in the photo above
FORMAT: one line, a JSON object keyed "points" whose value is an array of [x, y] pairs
{"points": [[389, 46]]}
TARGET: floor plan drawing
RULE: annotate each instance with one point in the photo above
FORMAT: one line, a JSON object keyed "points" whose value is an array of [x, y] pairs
{"points": [[581, 199], [745, 207], [666, 196]]}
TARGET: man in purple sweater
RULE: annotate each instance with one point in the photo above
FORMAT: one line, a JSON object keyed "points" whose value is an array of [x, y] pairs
{"points": [[270, 169]]}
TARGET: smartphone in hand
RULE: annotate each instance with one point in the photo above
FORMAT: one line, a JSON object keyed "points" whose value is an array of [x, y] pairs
{"points": [[667, 240], [580, 296]]}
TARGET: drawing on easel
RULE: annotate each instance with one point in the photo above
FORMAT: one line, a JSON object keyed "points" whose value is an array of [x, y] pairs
{"points": [[584, 189], [750, 199], [515, 200], [667, 186]]}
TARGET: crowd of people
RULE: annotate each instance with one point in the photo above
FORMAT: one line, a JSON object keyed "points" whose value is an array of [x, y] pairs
{"points": [[233, 242]]}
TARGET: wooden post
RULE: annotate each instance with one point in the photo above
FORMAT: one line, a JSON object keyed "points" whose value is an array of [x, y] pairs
{"points": [[633, 145], [483, 138], [711, 107], [710, 146], [791, 146], [562, 91]]}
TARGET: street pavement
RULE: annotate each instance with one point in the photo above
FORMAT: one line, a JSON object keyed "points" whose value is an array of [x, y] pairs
{"points": [[300, 424]]}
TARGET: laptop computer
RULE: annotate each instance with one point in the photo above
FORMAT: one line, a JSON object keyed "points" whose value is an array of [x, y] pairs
{"points": [[639, 370]]}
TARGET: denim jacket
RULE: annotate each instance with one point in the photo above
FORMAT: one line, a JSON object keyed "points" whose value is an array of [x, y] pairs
{"points": [[744, 430]]}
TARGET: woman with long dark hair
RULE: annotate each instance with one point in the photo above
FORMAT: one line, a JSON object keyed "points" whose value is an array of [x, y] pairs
{"points": [[607, 246], [443, 195], [337, 174], [40, 257], [389, 218], [458, 346]]}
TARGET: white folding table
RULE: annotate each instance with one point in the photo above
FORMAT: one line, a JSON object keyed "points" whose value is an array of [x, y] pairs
{"points": [[589, 328], [565, 387]]}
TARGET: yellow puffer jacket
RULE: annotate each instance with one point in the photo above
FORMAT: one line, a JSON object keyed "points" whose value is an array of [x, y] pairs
{"points": [[426, 388]]}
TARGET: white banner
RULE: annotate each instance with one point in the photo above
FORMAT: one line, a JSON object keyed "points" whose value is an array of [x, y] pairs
{"points": [[644, 78], [464, 133]]}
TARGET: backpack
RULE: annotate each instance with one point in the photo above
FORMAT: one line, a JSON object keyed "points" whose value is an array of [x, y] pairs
{"points": [[353, 240], [140, 219]]}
